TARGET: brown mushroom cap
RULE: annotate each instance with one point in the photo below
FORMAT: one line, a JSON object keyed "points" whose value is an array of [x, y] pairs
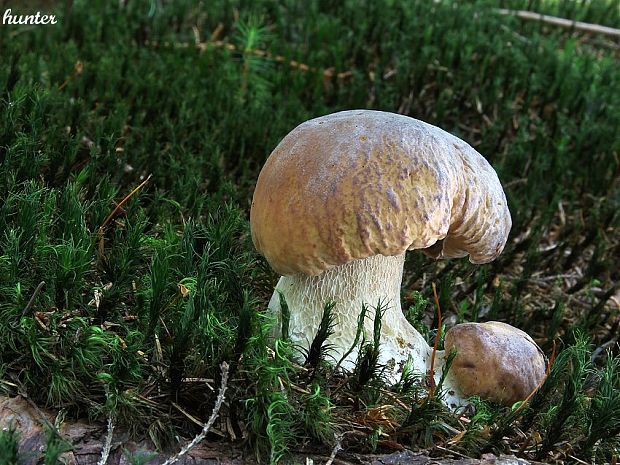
{"points": [[355, 184], [495, 361]]}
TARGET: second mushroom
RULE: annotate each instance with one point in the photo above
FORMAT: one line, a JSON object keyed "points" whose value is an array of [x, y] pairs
{"points": [[343, 197]]}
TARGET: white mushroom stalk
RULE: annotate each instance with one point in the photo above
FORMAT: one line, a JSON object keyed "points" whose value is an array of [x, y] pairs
{"points": [[343, 197], [368, 281]]}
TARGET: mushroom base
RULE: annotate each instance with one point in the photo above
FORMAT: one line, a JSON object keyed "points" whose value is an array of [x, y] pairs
{"points": [[367, 281]]}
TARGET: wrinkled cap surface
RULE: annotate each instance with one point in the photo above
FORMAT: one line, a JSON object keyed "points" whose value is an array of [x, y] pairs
{"points": [[359, 183], [495, 361]]}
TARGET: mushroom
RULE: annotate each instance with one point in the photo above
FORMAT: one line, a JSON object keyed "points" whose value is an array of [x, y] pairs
{"points": [[343, 197], [495, 361]]}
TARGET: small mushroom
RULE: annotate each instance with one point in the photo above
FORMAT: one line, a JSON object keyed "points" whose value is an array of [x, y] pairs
{"points": [[342, 198], [495, 361]]}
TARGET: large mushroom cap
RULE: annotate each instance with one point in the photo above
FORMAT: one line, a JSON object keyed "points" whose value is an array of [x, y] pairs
{"points": [[359, 183], [495, 361]]}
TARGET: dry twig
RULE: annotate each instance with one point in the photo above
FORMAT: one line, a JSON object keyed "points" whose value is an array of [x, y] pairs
{"points": [[107, 446], [116, 209], [335, 450], [562, 22], [328, 74], [212, 418], [30, 303]]}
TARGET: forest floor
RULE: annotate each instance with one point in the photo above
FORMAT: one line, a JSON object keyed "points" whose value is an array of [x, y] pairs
{"points": [[131, 137]]}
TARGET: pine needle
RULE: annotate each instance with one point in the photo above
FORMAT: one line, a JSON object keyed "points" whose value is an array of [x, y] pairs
{"points": [[116, 209], [547, 371]]}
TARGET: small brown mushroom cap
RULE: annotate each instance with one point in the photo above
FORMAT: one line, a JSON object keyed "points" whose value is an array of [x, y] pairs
{"points": [[359, 183], [495, 361]]}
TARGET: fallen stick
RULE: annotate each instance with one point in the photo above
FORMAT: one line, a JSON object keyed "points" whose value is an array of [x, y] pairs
{"points": [[337, 448], [561, 22], [30, 303], [107, 445], [207, 426]]}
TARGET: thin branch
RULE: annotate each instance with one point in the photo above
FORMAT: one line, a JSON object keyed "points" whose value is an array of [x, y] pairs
{"points": [[562, 22], [116, 209], [599, 350], [123, 202], [30, 303], [77, 70], [451, 451], [107, 447], [212, 418], [328, 74], [335, 450]]}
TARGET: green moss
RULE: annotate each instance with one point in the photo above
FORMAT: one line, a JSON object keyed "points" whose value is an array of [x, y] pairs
{"points": [[98, 319]]}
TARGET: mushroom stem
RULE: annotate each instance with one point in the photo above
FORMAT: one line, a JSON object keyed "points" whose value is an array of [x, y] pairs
{"points": [[371, 280]]}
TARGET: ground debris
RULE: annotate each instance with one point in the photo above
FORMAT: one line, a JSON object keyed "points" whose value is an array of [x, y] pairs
{"points": [[87, 440], [408, 457]]}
